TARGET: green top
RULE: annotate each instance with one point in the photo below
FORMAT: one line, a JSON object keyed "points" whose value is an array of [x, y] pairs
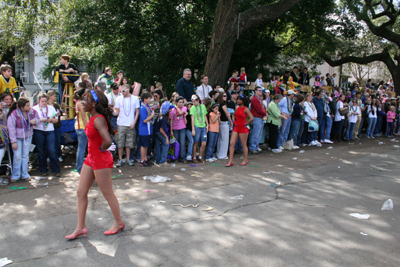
{"points": [[199, 113], [273, 114]]}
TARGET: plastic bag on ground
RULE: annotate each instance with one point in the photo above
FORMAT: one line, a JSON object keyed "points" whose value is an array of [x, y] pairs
{"points": [[388, 205], [360, 216], [157, 179], [4, 262]]}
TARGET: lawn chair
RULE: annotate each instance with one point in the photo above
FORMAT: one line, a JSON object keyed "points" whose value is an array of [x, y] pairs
{"points": [[69, 139]]}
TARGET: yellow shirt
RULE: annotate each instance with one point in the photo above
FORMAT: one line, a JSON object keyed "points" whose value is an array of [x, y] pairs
{"points": [[10, 87]]}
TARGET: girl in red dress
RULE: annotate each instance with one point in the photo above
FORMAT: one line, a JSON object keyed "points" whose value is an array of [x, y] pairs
{"points": [[98, 163], [241, 130]]}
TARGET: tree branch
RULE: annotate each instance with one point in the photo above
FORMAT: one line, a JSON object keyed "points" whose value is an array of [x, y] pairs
{"points": [[264, 14], [382, 30], [384, 57]]}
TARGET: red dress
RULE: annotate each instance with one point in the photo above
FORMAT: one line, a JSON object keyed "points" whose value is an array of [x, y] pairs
{"points": [[241, 120], [95, 158]]}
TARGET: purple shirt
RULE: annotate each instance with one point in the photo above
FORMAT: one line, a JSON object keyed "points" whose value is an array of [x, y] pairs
{"points": [[15, 127]]}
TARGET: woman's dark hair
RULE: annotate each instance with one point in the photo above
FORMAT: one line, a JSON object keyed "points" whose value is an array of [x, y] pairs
{"points": [[79, 93], [20, 104], [220, 99], [101, 107], [3, 95], [244, 99]]}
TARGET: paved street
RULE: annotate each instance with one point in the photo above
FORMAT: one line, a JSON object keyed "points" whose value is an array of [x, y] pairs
{"points": [[303, 221]]}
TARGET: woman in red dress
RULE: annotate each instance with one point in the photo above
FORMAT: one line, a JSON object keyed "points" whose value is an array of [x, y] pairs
{"points": [[241, 130], [98, 163]]}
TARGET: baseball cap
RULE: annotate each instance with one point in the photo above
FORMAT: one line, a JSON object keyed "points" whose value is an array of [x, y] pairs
{"points": [[221, 90], [102, 86], [290, 92], [234, 92]]}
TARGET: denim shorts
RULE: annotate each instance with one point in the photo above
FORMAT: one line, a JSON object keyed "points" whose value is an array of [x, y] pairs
{"points": [[201, 135]]}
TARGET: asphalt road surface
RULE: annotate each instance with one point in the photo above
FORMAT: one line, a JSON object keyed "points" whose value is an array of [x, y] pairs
{"points": [[294, 211]]}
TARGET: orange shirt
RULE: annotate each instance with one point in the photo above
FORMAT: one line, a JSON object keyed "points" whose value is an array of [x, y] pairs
{"points": [[214, 127]]}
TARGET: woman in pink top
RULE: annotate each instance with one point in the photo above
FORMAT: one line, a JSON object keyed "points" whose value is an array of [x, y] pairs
{"points": [[391, 118], [178, 126]]}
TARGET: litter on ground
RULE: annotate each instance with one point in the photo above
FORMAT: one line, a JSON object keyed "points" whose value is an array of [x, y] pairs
{"points": [[360, 216], [387, 205], [157, 179]]}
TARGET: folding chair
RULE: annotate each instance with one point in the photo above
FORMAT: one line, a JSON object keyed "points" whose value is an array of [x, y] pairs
{"points": [[69, 139]]}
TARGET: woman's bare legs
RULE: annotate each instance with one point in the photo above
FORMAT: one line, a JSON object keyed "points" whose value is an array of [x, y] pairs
{"points": [[85, 182], [243, 140], [103, 179], [234, 138]]}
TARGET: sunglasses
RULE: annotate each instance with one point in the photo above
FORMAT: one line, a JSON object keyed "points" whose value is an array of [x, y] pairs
{"points": [[123, 91], [115, 88], [225, 95]]}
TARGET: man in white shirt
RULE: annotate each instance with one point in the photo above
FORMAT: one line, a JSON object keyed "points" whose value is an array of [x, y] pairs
{"points": [[127, 109], [204, 89]]}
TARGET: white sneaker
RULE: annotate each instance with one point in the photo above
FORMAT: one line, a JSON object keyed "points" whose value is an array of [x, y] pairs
{"points": [[303, 144], [277, 150], [189, 158], [328, 141], [210, 160], [225, 158], [281, 148], [214, 158], [317, 143], [296, 147], [259, 149], [313, 143]]}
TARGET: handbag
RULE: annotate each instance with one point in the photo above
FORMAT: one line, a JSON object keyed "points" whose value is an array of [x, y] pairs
{"points": [[313, 126], [343, 112], [173, 151]]}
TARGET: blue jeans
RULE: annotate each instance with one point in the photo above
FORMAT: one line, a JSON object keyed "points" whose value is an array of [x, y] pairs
{"points": [[57, 132], [371, 126], [212, 143], [350, 130], [180, 136], [82, 143], [114, 124], [284, 131], [389, 129], [160, 148], [328, 128], [45, 141], [21, 159], [378, 125], [189, 136], [258, 126], [322, 123], [294, 131], [396, 131], [301, 129], [60, 91]]}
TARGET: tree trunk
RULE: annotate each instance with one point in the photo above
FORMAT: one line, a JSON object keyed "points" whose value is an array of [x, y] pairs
{"points": [[227, 24], [222, 42]]}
